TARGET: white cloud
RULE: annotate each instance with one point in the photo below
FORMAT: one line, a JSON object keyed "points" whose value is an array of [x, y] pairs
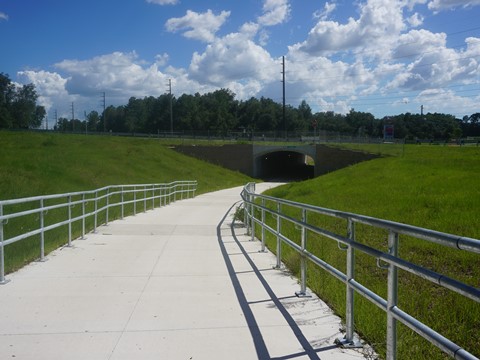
{"points": [[161, 59], [327, 10], [274, 12], [418, 41], [438, 5], [163, 2], [249, 29], [3, 16], [119, 73], [203, 26], [444, 100], [231, 58], [379, 23], [416, 20], [50, 87]]}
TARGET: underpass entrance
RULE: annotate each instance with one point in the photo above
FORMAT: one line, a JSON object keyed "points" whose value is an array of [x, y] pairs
{"points": [[283, 164]]}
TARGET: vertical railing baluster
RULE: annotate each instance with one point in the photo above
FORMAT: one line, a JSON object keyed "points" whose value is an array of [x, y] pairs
{"points": [[95, 213], [134, 200], [69, 220], [263, 226], [144, 198], [83, 216], [350, 276], [153, 197], [279, 242], [42, 232], [349, 341], [303, 262], [107, 207], [252, 216], [392, 298], [161, 195], [2, 251], [123, 201]]}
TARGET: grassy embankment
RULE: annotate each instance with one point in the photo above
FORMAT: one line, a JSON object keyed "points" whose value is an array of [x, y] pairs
{"points": [[38, 164], [429, 186]]}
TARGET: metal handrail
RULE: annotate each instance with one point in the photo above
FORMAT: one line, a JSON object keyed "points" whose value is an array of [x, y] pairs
{"points": [[112, 196], [255, 204]]}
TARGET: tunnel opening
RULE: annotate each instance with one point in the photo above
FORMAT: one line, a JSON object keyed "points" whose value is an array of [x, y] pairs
{"points": [[284, 166]]}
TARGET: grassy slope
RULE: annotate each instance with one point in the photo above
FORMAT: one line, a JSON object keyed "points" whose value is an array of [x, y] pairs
{"points": [[433, 187], [35, 164]]}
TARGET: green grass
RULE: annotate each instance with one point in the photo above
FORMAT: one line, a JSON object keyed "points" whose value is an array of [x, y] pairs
{"points": [[428, 186], [40, 164]]}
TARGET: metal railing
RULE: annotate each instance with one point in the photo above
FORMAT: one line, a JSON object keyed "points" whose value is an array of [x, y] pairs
{"points": [[255, 206], [29, 217]]}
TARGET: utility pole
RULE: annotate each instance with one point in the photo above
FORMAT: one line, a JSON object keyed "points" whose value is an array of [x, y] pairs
{"points": [[171, 107], [46, 122], [421, 110], [104, 117], [73, 118], [283, 83], [56, 119], [86, 122]]}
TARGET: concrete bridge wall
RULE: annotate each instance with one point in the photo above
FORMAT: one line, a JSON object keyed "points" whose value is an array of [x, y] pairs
{"points": [[247, 159]]}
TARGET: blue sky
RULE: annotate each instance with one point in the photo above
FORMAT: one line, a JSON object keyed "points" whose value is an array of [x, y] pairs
{"points": [[382, 56]]}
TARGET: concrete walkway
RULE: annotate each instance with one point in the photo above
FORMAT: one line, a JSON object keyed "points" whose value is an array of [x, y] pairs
{"points": [[179, 282]]}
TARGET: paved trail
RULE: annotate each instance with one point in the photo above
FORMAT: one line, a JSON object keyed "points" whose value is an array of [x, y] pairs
{"points": [[179, 282]]}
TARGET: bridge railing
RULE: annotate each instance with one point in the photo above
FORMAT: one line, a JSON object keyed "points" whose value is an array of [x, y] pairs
{"points": [[256, 208], [25, 218]]}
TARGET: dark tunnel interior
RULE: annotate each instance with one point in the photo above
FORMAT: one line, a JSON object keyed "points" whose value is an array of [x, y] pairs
{"points": [[283, 166]]}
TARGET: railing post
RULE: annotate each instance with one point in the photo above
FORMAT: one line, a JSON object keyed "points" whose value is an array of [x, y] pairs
{"points": [[153, 197], [42, 232], [263, 226], [123, 201], [303, 262], [175, 193], [95, 217], [144, 198], [107, 207], [349, 341], [161, 195], [392, 298], [279, 242], [252, 217], [2, 252], [134, 200], [69, 220], [83, 216]]}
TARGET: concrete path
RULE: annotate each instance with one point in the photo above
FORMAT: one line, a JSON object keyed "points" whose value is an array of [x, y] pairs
{"points": [[179, 282]]}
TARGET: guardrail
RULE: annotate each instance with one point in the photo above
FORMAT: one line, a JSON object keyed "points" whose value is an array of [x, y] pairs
{"points": [[31, 213], [255, 210]]}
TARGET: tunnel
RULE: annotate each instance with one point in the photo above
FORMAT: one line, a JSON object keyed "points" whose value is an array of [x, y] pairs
{"points": [[283, 166]]}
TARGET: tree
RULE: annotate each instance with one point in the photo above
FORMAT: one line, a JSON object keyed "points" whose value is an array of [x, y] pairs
{"points": [[93, 121], [18, 107]]}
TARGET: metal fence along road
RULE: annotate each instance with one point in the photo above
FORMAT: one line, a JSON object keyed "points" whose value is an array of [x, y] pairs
{"points": [[26, 218], [280, 214]]}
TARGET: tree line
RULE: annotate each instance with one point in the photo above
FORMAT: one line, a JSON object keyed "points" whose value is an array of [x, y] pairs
{"points": [[219, 113]]}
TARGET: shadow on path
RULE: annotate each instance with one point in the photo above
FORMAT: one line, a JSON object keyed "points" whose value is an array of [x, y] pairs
{"points": [[255, 331]]}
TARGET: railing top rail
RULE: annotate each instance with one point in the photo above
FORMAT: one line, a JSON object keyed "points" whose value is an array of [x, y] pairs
{"points": [[88, 192], [450, 240]]}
